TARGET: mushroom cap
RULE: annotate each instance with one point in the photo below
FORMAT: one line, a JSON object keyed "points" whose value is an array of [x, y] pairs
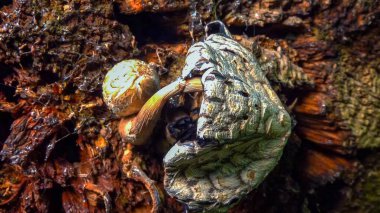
{"points": [[241, 130], [128, 85]]}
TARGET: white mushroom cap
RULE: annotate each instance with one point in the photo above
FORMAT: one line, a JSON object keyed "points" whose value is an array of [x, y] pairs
{"points": [[128, 85]]}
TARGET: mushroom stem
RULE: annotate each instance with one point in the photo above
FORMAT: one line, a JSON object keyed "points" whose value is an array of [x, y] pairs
{"points": [[96, 189], [137, 174], [193, 85], [132, 169], [137, 130]]}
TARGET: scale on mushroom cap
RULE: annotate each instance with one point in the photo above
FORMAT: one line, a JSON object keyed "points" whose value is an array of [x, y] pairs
{"points": [[241, 131]]}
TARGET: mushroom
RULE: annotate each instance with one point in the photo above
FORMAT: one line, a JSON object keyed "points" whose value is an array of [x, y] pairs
{"points": [[128, 85], [130, 90], [241, 130]]}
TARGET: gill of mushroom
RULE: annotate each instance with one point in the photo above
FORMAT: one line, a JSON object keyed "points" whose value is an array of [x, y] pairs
{"points": [[130, 91]]}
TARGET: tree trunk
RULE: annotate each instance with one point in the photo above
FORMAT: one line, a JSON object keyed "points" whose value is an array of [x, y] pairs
{"points": [[60, 147]]}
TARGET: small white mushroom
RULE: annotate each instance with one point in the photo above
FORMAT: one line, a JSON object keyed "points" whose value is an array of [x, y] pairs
{"points": [[128, 85], [130, 91]]}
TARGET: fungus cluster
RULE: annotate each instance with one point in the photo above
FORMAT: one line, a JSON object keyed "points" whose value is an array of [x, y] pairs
{"points": [[241, 129]]}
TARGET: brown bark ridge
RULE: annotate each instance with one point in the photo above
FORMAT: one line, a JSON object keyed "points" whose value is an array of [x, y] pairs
{"points": [[60, 146]]}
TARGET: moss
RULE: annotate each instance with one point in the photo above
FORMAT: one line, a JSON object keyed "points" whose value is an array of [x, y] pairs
{"points": [[357, 81], [365, 196], [371, 190]]}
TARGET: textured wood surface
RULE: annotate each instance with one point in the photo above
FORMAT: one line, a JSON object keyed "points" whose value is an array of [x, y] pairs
{"points": [[60, 146]]}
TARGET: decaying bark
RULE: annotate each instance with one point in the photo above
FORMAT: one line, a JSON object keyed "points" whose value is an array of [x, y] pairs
{"points": [[60, 146]]}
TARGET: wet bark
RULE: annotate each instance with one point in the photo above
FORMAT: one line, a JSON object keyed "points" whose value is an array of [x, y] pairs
{"points": [[60, 147]]}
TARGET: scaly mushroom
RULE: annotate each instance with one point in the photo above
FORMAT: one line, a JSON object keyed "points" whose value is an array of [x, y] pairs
{"points": [[242, 126], [129, 90]]}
